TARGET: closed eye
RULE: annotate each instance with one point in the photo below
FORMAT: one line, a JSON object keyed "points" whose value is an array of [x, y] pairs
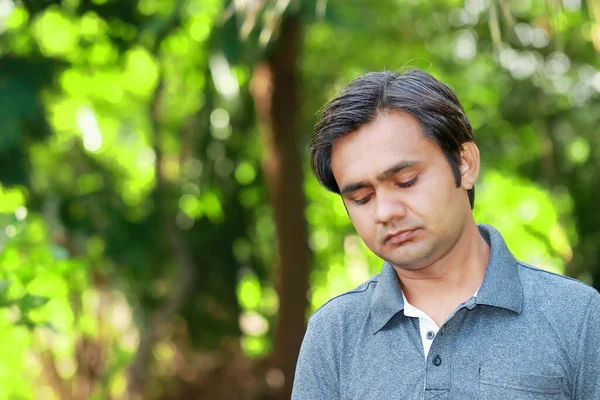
{"points": [[408, 184], [403, 185], [362, 201]]}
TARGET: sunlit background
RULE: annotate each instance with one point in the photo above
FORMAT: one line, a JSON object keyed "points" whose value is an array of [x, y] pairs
{"points": [[161, 235]]}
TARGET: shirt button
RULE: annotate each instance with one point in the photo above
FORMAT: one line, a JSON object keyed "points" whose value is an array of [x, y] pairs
{"points": [[437, 361], [430, 335]]}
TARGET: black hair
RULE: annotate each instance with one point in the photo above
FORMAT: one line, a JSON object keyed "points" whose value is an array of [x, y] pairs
{"points": [[432, 102]]}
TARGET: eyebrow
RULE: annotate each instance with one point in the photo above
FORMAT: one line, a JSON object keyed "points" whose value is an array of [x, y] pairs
{"points": [[393, 170], [352, 187]]}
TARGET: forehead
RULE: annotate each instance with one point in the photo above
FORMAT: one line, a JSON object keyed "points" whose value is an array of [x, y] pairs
{"points": [[391, 138]]}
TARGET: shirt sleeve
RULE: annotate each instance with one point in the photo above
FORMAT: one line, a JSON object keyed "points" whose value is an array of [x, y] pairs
{"points": [[587, 383], [317, 372]]}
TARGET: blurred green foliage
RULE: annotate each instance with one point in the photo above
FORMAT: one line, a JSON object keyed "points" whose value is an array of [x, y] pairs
{"points": [[120, 118]]}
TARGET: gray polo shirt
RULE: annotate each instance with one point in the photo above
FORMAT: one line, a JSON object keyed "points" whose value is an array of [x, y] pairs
{"points": [[529, 334]]}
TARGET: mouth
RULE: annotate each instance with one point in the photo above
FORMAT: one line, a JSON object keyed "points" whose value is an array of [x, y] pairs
{"points": [[399, 237]]}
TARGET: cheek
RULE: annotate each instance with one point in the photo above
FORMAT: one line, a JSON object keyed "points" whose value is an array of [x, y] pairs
{"points": [[363, 223], [432, 203], [441, 204]]}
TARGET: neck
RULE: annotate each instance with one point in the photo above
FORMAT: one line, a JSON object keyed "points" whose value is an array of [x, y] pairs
{"points": [[451, 279]]}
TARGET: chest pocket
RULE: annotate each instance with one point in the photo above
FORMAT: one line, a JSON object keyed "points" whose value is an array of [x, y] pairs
{"points": [[499, 385]]}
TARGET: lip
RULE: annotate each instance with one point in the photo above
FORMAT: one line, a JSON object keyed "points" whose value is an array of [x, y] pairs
{"points": [[399, 237]]}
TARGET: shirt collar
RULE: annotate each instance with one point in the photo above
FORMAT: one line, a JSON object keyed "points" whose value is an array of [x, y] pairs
{"points": [[387, 298], [501, 285], [412, 311]]}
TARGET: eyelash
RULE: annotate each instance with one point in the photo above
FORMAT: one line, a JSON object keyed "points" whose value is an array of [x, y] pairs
{"points": [[403, 185], [361, 201], [408, 184]]}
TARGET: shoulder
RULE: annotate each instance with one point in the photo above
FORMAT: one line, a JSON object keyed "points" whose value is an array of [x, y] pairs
{"points": [[349, 305], [561, 291], [339, 319]]}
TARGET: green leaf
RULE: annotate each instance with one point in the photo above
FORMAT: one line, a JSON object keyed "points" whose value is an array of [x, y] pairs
{"points": [[29, 302]]}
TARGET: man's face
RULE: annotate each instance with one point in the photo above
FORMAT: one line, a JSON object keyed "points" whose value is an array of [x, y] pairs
{"points": [[400, 191]]}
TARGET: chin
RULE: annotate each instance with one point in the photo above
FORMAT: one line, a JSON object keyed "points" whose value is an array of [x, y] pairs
{"points": [[409, 267], [412, 261]]}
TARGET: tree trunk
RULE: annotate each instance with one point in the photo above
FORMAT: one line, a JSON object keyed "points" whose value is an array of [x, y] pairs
{"points": [[275, 92], [138, 373]]}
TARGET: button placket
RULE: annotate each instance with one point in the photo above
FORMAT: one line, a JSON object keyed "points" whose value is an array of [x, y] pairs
{"points": [[438, 376]]}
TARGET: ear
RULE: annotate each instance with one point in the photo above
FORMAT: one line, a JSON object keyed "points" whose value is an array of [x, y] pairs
{"points": [[469, 165]]}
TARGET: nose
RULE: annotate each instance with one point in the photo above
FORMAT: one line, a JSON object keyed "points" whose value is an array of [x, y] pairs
{"points": [[388, 207]]}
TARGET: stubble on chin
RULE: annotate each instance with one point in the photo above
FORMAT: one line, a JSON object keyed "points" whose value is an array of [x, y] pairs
{"points": [[410, 259]]}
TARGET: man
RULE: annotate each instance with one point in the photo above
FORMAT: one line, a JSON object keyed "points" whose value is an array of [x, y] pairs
{"points": [[453, 315]]}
